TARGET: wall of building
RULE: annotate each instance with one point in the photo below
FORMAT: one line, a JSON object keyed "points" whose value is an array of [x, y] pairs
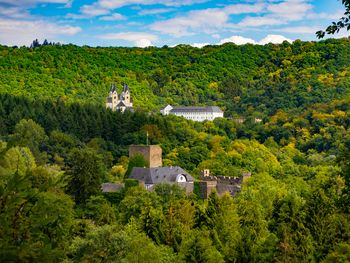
{"points": [[151, 153]]}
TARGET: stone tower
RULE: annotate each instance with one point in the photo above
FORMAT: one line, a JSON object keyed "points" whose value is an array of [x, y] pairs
{"points": [[151, 153]]}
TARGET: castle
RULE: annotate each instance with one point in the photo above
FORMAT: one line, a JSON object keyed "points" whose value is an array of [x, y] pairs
{"points": [[123, 102]]}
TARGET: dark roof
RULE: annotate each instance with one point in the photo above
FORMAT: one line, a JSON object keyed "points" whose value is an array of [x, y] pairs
{"points": [[121, 104], [126, 88], [196, 109], [111, 187], [159, 174], [113, 88]]}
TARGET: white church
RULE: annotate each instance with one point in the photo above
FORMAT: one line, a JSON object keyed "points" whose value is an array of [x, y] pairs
{"points": [[122, 102], [194, 113]]}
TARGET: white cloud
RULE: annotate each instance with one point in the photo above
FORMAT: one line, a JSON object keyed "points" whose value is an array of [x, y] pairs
{"points": [[200, 45], [33, 2], [299, 29], [13, 12], [244, 9], [114, 4], [139, 39], [274, 39], [208, 20], [143, 42], [202, 20], [155, 11], [260, 21], [23, 32], [239, 40], [279, 14], [113, 17], [290, 10], [90, 10]]}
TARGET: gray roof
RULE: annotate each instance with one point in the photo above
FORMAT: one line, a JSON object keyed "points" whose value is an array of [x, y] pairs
{"points": [[111, 187], [196, 109], [121, 104], [159, 174], [113, 88], [126, 88]]}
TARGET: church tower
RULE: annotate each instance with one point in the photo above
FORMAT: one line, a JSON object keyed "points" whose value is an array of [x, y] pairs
{"points": [[125, 96], [112, 99], [123, 102]]}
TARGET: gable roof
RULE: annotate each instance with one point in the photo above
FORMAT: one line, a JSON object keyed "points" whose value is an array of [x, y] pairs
{"points": [[210, 109], [166, 107], [159, 174], [121, 104]]}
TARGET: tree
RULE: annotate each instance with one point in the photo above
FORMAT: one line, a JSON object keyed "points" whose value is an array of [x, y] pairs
{"points": [[30, 134], [335, 27], [136, 161], [35, 222], [85, 171], [117, 244], [198, 247]]}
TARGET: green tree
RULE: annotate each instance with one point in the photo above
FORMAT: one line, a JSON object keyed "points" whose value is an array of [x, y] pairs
{"points": [[136, 161], [117, 244], [198, 247], [30, 134], [86, 171]]}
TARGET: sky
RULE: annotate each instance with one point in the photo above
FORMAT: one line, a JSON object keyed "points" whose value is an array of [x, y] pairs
{"points": [[145, 23]]}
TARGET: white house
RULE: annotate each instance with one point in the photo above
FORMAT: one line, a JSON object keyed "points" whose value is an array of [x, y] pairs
{"points": [[194, 113]]}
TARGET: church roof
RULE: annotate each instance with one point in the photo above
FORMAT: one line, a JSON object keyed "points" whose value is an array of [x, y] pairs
{"points": [[113, 88], [121, 104], [159, 174], [210, 109], [126, 88]]}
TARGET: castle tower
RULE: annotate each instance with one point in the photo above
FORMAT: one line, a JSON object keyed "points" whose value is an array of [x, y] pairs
{"points": [[112, 99], [151, 153]]}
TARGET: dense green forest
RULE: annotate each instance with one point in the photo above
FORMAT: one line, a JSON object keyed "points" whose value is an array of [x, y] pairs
{"points": [[248, 79], [58, 143]]}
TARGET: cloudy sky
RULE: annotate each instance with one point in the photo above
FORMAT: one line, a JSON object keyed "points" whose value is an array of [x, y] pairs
{"points": [[164, 22]]}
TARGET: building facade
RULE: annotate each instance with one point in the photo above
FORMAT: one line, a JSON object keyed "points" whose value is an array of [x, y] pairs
{"points": [[122, 102], [194, 113], [150, 176]]}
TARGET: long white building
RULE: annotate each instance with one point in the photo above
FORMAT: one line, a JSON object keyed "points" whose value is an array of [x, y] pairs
{"points": [[194, 113]]}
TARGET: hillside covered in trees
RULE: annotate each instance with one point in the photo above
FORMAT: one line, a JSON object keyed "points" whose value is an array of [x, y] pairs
{"points": [[247, 79], [58, 143]]}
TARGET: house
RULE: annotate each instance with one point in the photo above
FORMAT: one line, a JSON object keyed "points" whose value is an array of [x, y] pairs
{"points": [[194, 113], [122, 102], [149, 177], [156, 173]]}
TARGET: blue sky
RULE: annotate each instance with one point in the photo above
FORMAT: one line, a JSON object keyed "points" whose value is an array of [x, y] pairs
{"points": [[164, 22]]}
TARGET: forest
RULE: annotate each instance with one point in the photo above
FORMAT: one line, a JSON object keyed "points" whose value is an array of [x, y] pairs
{"points": [[246, 80], [58, 143]]}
